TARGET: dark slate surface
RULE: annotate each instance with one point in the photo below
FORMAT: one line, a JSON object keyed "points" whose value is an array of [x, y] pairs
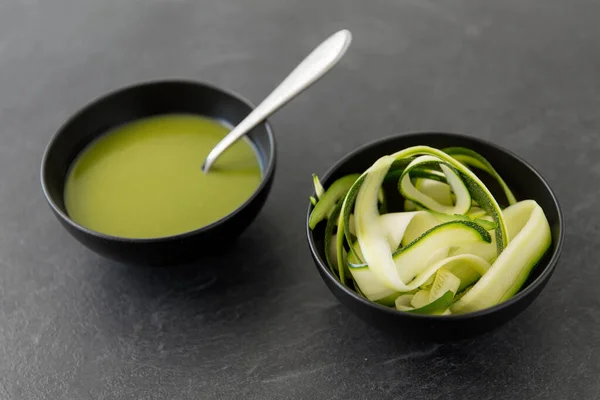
{"points": [[74, 326]]}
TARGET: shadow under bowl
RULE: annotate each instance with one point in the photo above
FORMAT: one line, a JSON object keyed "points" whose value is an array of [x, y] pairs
{"points": [[524, 181], [141, 101]]}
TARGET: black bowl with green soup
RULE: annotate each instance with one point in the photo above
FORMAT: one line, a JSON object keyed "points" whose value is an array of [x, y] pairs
{"points": [[436, 235], [124, 175]]}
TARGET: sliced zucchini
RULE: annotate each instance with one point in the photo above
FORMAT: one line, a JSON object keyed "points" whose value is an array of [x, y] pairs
{"points": [[372, 237], [438, 255], [427, 173], [403, 302], [437, 307], [395, 225], [410, 192], [409, 206], [438, 258], [468, 269], [507, 274], [476, 212], [382, 199], [460, 294], [351, 225], [369, 231], [478, 191], [474, 159], [397, 168], [444, 281], [421, 223], [319, 190], [428, 283], [329, 198], [436, 190], [331, 238], [340, 250], [412, 259], [420, 299], [370, 286], [485, 224]]}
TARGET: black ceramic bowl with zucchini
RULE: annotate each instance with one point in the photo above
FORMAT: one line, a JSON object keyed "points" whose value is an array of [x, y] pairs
{"points": [[434, 235], [142, 102]]}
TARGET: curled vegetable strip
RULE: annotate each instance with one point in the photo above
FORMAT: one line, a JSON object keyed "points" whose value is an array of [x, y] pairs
{"points": [[479, 192], [319, 190], [463, 197], [531, 238], [413, 259], [469, 157], [375, 290], [371, 237], [330, 253], [438, 191], [455, 251], [328, 199]]}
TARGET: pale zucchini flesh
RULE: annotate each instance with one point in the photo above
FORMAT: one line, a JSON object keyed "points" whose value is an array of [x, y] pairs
{"points": [[319, 189], [452, 249], [469, 157], [327, 199], [420, 299], [444, 281], [369, 285], [512, 267], [412, 259], [410, 192]]}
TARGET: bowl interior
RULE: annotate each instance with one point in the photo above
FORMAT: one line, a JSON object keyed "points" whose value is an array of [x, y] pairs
{"points": [[524, 181], [142, 101]]}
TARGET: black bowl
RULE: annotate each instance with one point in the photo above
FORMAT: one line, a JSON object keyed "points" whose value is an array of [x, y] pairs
{"points": [[141, 101], [525, 182]]}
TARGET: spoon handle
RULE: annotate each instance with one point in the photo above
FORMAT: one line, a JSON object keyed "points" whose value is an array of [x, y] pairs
{"points": [[313, 67]]}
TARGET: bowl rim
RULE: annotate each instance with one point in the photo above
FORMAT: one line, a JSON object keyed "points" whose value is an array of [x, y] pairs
{"points": [[266, 178], [544, 275]]}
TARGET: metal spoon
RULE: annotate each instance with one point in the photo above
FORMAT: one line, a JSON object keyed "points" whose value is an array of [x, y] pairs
{"points": [[313, 67]]}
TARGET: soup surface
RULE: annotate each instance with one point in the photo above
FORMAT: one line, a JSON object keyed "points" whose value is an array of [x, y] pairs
{"points": [[144, 179]]}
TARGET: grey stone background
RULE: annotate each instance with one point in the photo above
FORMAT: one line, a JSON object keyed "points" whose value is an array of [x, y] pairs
{"points": [[73, 326]]}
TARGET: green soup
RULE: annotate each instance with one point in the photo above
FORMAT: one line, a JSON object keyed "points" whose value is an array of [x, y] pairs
{"points": [[144, 179]]}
